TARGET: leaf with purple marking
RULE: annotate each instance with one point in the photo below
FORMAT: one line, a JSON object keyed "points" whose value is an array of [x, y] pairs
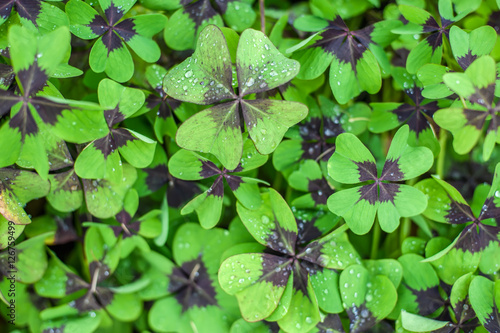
{"points": [[368, 298], [419, 291], [303, 313], [194, 297], [316, 134], [484, 296], [309, 178], [29, 133], [352, 56], [155, 176], [352, 163], [479, 239], [332, 251], [66, 193], [105, 199], [464, 316], [430, 50], [477, 85], [446, 204], [187, 165], [185, 25], [468, 46], [272, 223], [17, 188], [417, 114], [31, 260], [100, 159], [36, 15], [206, 78], [268, 275], [159, 102], [109, 53]]}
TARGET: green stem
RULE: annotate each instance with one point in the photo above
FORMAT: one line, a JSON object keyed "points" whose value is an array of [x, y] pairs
{"points": [[442, 153], [375, 240], [262, 16], [278, 180], [405, 230]]}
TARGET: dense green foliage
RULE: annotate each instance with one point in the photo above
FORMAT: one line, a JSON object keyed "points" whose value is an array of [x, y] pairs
{"points": [[192, 166]]}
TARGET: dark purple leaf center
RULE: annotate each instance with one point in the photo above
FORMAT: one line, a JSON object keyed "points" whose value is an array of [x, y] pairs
{"points": [[27, 9], [320, 190], [209, 169], [418, 116], [315, 145], [112, 29], [348, 46], [192, 285]]}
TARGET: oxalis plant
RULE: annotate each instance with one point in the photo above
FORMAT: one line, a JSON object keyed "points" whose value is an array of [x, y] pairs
{"points": [[249, 166]]}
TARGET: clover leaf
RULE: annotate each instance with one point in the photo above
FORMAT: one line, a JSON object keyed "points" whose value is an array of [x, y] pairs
{"points": [[467, 47], [353, 163], [104, 198], [480, 239], [351, 55], [309, 178], [109, 53], [206, 78], [186, 23], [185, 290], [38, 113], [418, 114], [360, 290], [419, 293], [430, 50], [17, 188], [187, 165], [66, 194], [36, 15], [100, 159], [316, 133], [466, 121], [290, 274], [484, 296], [97, 294]]}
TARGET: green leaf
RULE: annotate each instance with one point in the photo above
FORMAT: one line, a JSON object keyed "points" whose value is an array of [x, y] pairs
{"points": [[146, 26], [414, 14], [208, 206], [184, 26], [328, 251], [351, 158], [303, 313], [467, 47], [65, 191], [367, 298], [268, 120], [239, 15], [358, 212], [272, 223], [260, 65], [117, 64], [205, 76], [104, 199], [215, 130], [416, 323], [256, 281], [484, 296], [18, 187], [31, 260]]}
